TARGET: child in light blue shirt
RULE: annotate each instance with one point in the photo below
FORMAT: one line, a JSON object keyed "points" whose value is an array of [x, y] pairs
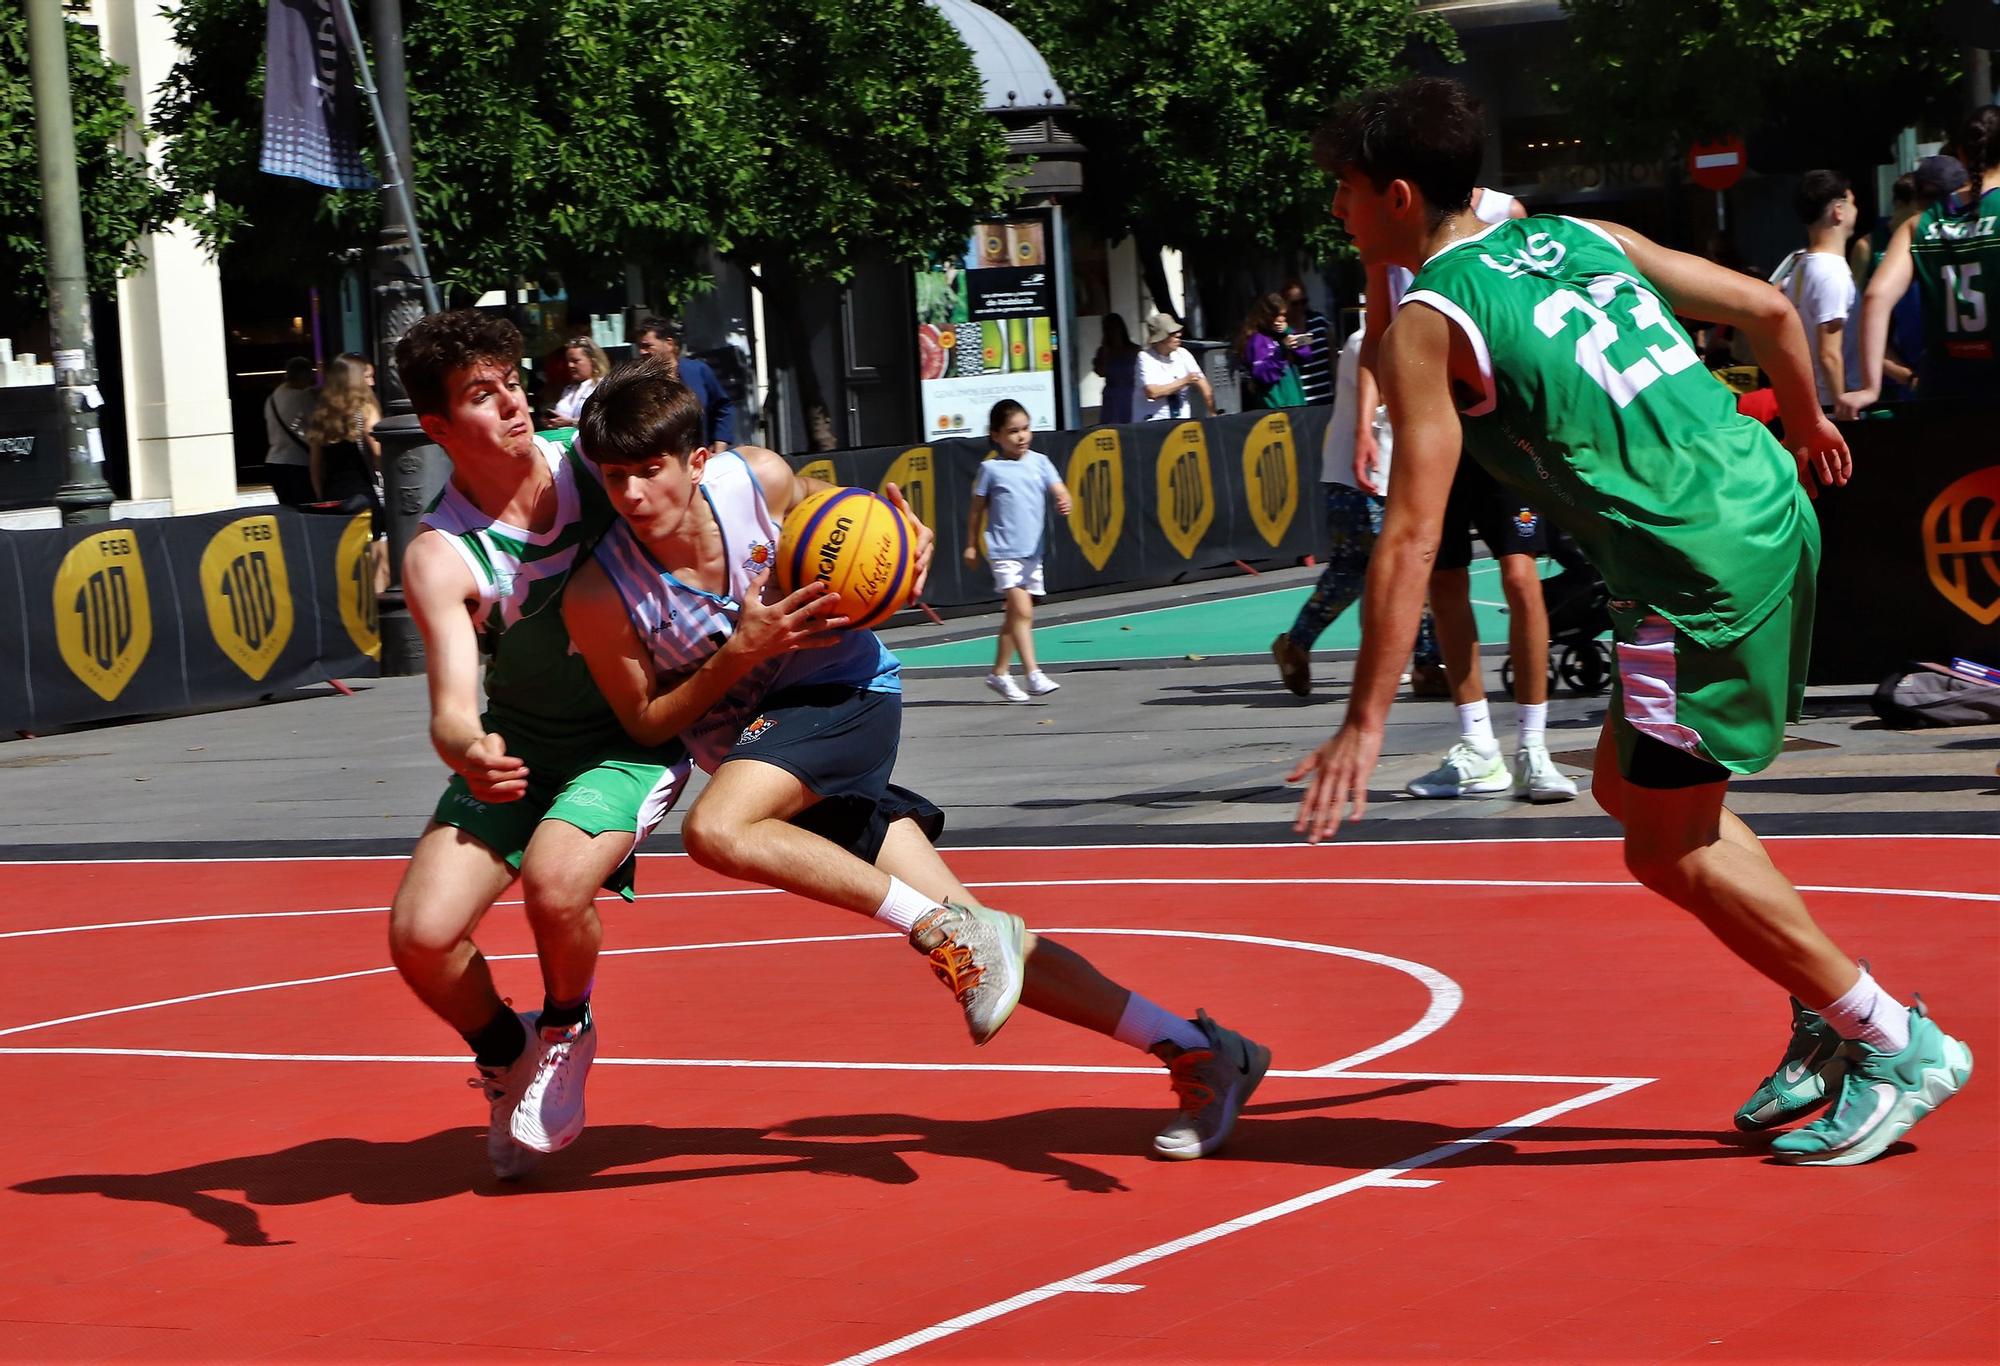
{"points": [[1009, 512]]}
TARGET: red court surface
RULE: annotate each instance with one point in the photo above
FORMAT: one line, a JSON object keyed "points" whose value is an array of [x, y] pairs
{"points": [[1497, 1126]]}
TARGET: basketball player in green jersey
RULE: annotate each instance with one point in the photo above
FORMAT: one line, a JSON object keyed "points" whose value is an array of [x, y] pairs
{"points": [[1955, 256], [1547, 347], [545, 783]]}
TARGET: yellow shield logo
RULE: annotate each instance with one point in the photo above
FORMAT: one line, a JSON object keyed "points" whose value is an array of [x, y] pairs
{"points": [[821, 470], [354, 577], [1187, 495], [1271, 476], [249, 598], [104, 620], [1962, 544], [1096, 479], [913, 473]]}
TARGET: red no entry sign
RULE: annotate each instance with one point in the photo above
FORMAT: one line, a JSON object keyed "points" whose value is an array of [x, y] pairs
{"points": [[1716, 165]]}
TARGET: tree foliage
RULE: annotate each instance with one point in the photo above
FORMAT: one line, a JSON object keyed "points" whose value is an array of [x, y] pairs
{"points": [[1199, 116], [120, 201], [1818, 82], [580, 135]]}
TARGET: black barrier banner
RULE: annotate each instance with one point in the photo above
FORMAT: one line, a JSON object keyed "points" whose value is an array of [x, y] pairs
{"points": [[166, 614], [1910, 549], [1150, 501]]}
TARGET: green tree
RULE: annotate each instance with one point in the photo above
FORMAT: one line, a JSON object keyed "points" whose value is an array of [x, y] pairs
{"points": [[1199, 116], [582, 135], [1819, 82], [121, 201]]}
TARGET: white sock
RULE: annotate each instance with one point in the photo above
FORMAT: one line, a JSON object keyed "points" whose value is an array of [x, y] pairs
{"points": [[1871, 1015], [1531, 720], [904, 906], [1475, 727], [1144, 1024]]}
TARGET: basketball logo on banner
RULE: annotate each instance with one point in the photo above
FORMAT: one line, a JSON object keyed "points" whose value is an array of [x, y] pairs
{"points": [[104, 620], [1096, 480], [1186, 493], [247, 593], [1271, 476], [1962, 544], [354, 579], [821, 470], [911, 472]]}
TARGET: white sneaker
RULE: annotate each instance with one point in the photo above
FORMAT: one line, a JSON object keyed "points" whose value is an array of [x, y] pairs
{"points": [[503, 1088], [1005, 685], [1211, 1085], [550, 1114], [1537, 778], [979, 953], [1465, 772], [1040, 684]]}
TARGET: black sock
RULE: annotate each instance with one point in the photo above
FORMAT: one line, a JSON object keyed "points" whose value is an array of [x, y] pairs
{"points": [[500, 1040], [554, 1016]]}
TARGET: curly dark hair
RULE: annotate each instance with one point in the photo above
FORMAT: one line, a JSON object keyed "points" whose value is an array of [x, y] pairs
{"points": [[1429, 131], [641, 411], [444, 342]]}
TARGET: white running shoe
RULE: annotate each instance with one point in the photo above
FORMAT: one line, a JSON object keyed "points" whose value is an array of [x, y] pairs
{"points": [[1537, 778], [1005, 685], [550, 1114], [1040, 684], [1211, 1084], [1465, 772], [503, 1088], [980, 954]]}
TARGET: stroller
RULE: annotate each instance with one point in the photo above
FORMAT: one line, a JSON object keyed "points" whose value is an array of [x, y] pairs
{"points": [[1579, 614]]}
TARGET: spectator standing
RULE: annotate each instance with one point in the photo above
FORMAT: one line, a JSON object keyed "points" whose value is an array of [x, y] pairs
{"points": [[1953, 253], [1267, 350], [1820, 283], [1315, 365], [1117, 363], [288, 457], [1166, 372], [664, 337], [573, 373], [1009, 514], [341, 437]]}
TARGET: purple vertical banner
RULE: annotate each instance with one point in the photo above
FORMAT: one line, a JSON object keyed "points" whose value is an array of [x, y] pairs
{"points": [[312, 113]]}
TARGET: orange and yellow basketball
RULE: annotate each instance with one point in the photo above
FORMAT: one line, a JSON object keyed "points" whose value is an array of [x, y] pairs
{"points": [[859, 545]]}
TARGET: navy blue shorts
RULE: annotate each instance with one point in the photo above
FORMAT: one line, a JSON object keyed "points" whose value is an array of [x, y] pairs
{"points": [[841, 743], [1480, 503]]}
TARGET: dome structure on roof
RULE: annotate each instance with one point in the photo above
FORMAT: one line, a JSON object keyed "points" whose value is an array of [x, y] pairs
{"points": [[1011, 70]]}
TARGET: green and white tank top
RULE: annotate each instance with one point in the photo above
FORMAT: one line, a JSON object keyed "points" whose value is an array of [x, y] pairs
{"points": [[1596, 408], [539, 692], [1956, 258]]}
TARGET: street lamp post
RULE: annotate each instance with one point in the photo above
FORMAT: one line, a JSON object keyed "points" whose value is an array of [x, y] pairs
{"points": [[83, 495]]}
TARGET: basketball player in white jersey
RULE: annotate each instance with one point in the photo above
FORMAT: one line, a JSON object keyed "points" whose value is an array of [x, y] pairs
{"points": [[798, 723]]}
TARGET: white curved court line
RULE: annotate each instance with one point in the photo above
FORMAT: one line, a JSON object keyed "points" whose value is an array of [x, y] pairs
{"points": [[1445, 995], [1544, 883]]}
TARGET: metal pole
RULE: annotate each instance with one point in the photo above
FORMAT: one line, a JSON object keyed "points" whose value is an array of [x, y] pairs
{"points": [[83, 495], [413, 469]]}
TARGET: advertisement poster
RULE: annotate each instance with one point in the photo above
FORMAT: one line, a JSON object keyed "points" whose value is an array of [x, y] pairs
{"points": [[986, 329]]}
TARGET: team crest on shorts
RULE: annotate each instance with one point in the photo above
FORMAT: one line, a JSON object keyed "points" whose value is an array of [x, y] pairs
{"points": [[755, 729], [760, 557], [1525, 521]]}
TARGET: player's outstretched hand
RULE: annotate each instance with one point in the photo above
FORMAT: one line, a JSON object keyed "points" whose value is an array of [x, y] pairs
{"points": [[1338, 771], [806, 618], [926, 538], [491, 772], [1822, 454]]}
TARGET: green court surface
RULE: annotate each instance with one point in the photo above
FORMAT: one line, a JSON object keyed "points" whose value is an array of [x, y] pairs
{"points": [[1243, 625]]}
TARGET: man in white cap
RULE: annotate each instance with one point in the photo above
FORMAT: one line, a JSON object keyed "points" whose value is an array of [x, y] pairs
{"points": [[1166, 373]]}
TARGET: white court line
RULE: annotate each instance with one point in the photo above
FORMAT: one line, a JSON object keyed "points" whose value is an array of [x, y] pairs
{"points": [[1389, 1176], [1626, 886], [1351, 841]]}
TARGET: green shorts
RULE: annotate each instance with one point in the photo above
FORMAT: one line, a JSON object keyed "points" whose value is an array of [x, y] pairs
{"points": [[625, 789], [1726, 705]]}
